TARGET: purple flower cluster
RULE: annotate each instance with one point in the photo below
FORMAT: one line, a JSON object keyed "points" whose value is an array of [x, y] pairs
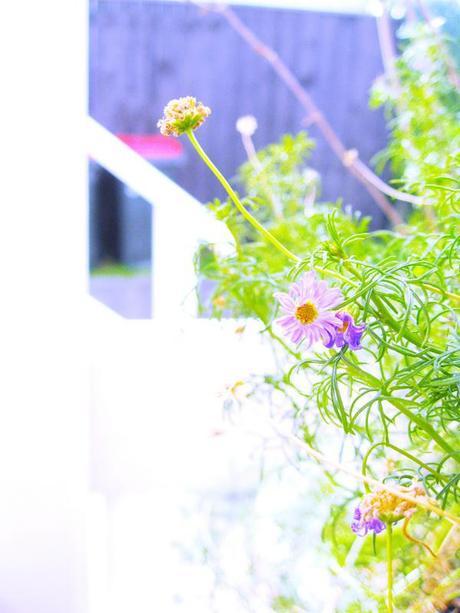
{"points": [[346, 334], [362, 526], [309, 315]]}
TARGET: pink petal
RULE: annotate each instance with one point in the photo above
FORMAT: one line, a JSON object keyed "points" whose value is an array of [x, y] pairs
{"points": [[325, 336], [308, 340], [328, 328], [297, 335], [322, 287], [307, 280], [285, 301], [314, 334], [309, 276], [328, 317], [295, 291], [287, 321], [330, 298]]}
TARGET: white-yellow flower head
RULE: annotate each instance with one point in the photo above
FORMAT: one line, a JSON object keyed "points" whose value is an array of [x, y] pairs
{"points": [[181, 115]]}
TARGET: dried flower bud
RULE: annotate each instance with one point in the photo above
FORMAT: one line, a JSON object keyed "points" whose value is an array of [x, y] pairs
{"points": [[388, 507], [382, 507], [246, 125], [181, 115]]}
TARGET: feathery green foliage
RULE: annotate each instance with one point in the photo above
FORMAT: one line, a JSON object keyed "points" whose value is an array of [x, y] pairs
{"points": [[396, 402]]}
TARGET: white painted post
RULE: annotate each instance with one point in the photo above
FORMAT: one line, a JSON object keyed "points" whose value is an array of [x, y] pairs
{"points": [[43, 395], [174, 243], [180, 222]]}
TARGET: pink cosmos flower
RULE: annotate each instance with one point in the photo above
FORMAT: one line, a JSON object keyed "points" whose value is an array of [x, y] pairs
{"points": [[307, 310]]}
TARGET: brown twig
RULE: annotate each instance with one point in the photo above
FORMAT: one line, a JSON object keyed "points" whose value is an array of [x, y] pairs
{"points": [[349, 158], [251, 152], [417, 541], [387, 49], [425, 503]]}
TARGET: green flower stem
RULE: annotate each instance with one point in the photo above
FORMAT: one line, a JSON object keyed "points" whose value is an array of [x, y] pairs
{"points": [[412, 337], [335, 275], [437, 290], [386, 316], [237, 202], [389, 567], [282, 343], [401, 452], [247, 215], [403, 405]]}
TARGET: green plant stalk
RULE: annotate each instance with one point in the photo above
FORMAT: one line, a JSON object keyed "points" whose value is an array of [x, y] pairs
{"points": [[335, 275], [389, 567], [437, 290], [247, 215], [282, 343], [422, 423], [399, 403], [394, 324], [237, 202], [409, 335], [402, 452], [338, 466]]}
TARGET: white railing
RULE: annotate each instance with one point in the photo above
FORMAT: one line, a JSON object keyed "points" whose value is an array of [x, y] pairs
{"points": [[180, 222]]}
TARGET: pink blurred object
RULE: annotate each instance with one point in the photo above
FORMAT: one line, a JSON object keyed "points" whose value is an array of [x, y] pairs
{"points": [[153, 146]]}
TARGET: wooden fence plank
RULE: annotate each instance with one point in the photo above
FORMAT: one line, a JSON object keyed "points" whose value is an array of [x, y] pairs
{"points": [[144, 53]]}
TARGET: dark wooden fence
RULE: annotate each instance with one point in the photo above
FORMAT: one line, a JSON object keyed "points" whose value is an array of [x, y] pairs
{"points": [[142, 53]]}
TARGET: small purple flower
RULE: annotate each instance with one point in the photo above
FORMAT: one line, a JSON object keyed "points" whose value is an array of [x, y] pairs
{"points": [[347, 333], [307, 310], [362, 526]]}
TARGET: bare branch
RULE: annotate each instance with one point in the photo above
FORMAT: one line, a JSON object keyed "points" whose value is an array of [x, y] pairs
{"points": [[425, 503], [349, 158], [387, 49], [251, 152]]}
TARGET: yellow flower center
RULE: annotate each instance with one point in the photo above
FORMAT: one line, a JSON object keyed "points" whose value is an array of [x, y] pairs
{"points": [[343, 328], [306, 313]]}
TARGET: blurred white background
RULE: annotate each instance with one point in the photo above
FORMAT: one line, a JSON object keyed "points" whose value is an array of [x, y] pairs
{"points": [[114, 451]]}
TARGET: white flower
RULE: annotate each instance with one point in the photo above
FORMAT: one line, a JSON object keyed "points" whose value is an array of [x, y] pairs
{"points": [[246, 125]]}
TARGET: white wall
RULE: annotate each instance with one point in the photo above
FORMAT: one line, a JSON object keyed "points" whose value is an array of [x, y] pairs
{"points": [[43, 400]]}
